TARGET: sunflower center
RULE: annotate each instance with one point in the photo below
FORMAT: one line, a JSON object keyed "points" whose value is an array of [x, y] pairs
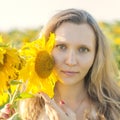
{"points": [[44, 64]]}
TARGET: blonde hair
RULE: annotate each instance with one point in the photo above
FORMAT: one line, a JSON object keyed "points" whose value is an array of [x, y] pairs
{"points": [[100, 81], [30, 108]]}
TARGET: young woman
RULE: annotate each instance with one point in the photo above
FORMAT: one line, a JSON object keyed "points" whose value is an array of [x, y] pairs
{"points": [[86, 88]]}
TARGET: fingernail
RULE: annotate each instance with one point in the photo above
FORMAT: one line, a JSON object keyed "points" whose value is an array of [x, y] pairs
{"points": [[62, 102]]}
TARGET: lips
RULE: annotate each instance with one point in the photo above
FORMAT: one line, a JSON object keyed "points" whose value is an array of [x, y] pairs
{"points": [[70, 73]]}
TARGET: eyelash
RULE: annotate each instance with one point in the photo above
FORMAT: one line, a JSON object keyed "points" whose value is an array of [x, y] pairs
{"points": [[81, 49], [61, 47]]}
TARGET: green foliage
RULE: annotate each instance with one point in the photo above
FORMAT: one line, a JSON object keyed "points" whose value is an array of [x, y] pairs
{"points": [[23, 95]]}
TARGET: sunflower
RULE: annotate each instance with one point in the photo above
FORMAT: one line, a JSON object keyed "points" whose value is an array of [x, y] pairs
{"points": [[9, 59], [38, 74], [3, 99]]}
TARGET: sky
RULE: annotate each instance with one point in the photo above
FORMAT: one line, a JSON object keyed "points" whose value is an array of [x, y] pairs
{"points": [[23, 14]]}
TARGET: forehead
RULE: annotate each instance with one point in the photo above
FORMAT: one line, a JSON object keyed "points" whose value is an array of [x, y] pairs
{"points": [[70, 32]]}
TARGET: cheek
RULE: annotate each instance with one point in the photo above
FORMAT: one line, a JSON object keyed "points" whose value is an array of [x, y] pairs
{"points": [[87, 62], [57, 57], [58, 60]]}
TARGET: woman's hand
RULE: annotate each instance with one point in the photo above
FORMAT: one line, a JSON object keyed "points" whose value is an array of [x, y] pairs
{"points": [[56, 112], [6, 112]]}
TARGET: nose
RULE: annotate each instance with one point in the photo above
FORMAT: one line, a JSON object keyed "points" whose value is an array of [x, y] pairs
{"points": [[71, 58]]}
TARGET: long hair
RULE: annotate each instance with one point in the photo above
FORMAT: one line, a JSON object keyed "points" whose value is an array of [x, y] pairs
{"points": [[100, 80]]}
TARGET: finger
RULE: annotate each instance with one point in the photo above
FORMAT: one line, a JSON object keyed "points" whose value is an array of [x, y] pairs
{"points": [[12, 111], [4, 115], [8, 110], [8, 105]]}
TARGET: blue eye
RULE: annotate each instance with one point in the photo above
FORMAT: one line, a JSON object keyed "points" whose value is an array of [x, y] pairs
{"points": [[83, 50], [61, 47]]}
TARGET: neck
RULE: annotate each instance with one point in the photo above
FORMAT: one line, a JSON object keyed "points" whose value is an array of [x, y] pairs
{"points": [[70, 94]]}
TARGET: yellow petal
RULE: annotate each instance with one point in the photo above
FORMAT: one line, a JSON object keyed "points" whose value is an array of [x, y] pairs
{"points": [[50, 43], [1, 40]]}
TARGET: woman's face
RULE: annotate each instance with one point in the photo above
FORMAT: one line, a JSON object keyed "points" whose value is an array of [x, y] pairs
{"points": [[74, 52]]}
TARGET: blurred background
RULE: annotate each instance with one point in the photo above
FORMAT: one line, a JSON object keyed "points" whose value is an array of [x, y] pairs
{"points": [[22, 20]]}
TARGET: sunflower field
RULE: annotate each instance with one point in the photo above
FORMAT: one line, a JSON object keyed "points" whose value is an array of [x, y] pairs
{"points": [[25, 43]]}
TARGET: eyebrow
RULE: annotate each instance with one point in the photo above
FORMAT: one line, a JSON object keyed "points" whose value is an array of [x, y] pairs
{"points": [[80, 45], [61, 40]]}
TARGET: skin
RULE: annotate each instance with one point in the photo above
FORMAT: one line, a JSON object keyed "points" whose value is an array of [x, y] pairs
{"points": [[74, 53]]}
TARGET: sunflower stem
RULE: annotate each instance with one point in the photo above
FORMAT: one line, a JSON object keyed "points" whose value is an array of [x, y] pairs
{"points": [[14, 95]]}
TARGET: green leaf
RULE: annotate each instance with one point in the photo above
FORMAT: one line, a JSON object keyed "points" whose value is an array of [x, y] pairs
{"points": [[24, 95], [15, 82]]}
